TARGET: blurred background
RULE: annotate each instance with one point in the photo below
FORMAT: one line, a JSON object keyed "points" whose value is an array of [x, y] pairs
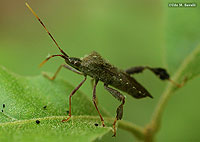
{"points": [[126, 33]]}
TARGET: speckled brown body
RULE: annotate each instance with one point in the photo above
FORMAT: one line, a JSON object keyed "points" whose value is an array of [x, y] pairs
{"points": [[99, 69]]}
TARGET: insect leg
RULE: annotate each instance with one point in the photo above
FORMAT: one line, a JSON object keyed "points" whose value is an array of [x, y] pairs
{"points": [[72, 93], [92, 84], [160, 72], [119, 111], [95, 102], [58, 70]]}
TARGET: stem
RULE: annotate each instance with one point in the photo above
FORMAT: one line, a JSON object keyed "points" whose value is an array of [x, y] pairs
{"points": [[155, 122], [154, 125], [134, 129], [156, 118]]}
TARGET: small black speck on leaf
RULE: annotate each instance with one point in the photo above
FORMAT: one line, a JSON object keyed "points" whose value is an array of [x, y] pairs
{"points": [[67, 111], [37, 121], [96, 124], [4, 105], [2, 110], [44, 107]]}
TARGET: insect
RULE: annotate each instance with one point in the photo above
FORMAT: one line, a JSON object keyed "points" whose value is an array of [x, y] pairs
{"points": [[99, 69]]}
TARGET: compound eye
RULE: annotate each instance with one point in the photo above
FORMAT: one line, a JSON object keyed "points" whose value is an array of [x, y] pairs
{"points": [[77, 63], [71, 61]]}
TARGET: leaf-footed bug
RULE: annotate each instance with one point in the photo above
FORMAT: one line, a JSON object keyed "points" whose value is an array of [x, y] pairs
{"points": [[98, 69]]}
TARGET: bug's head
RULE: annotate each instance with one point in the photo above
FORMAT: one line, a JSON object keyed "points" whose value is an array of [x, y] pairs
{"points": [[74, 62]]}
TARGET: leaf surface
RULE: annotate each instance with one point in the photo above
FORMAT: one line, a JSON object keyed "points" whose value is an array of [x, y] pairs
{"points": [[25, 99], [183, 40]]}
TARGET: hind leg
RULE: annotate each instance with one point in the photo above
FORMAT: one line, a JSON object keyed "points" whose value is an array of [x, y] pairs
{"points": [[119, 111], [160, 72]]}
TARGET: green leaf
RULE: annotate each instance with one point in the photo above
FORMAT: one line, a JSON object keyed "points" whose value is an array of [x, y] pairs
{"points": [[183, 40], [24, 99], [190, 68], [182, 56]]}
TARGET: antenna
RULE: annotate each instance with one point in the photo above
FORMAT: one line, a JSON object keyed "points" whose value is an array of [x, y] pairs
{"points": [[46, 30]]}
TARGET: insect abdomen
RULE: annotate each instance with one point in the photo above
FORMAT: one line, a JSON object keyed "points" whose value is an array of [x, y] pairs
{"points": [[128, 84]]}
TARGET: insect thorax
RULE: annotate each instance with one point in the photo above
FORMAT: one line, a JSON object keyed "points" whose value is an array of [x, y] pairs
{"points": [[95, 66]]}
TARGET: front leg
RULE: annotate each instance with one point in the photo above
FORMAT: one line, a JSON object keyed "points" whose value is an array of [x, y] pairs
{"points": [[119, 111], [58, 70]]}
